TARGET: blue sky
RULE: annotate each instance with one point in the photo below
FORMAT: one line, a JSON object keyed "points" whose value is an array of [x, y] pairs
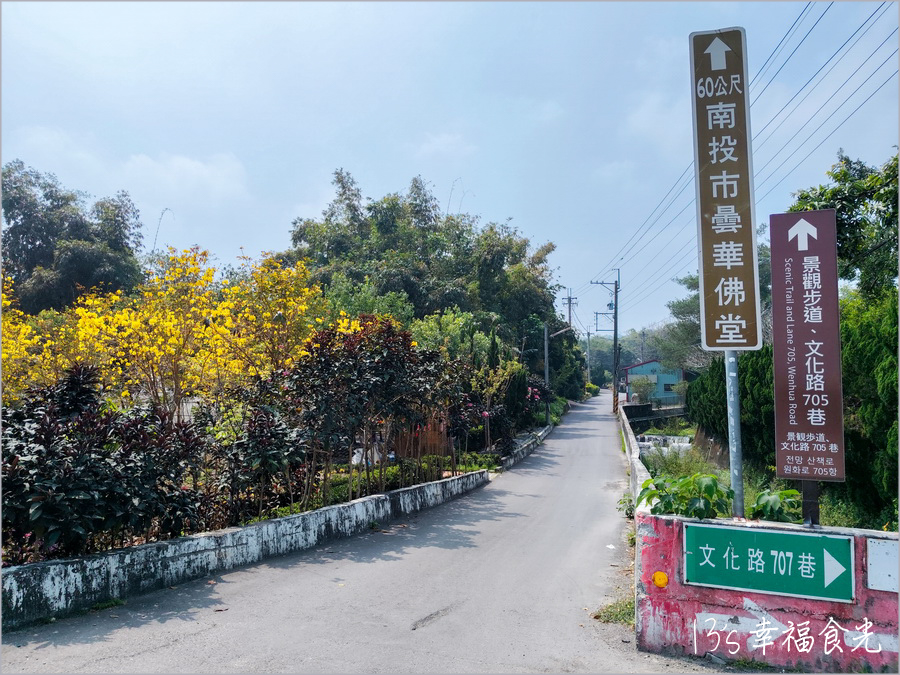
{"points": [[570, 119]]}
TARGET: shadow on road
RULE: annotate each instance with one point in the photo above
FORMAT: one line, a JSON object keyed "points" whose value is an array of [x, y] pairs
{"points": [[183, 603], [457, 527]]}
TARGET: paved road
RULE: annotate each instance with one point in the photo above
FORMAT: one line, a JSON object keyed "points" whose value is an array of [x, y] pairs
{"points": [[501, 580]]}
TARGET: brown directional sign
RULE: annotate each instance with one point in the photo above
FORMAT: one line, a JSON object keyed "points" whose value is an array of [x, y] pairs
{"points": [[806, 336], [726, 235]]}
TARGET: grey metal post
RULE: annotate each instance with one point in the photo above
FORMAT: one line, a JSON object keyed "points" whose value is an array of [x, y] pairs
{"points": [[547, 374], [589, 355], [616, 346], [734, 432]]}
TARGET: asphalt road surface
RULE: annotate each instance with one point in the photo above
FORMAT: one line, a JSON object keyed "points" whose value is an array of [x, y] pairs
{"points": [[501, 580]]}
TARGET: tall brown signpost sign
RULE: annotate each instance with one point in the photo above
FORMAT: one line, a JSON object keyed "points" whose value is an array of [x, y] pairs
{"points": [[726, 232], [809, 423], [729, 284]]}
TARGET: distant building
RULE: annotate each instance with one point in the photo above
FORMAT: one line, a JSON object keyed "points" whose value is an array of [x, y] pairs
{"points": [[664, 378]]}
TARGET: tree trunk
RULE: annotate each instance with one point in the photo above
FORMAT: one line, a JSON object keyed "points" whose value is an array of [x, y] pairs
{"points": [[367, 439], [287, 476], [326, 480]]}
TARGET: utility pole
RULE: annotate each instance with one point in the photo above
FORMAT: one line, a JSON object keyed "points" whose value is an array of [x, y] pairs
{"points": [[569, 300], [643, 333], [614, 306], [589, 355]]}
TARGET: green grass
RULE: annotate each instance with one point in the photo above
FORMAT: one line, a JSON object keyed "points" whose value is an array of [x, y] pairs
{"points": [[618, 611], [685, 463], [675, 426], [747, 665], [115, 602]]}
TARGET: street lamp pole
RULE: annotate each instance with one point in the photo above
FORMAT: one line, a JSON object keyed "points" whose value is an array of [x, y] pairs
{"points": [[547, 363]]}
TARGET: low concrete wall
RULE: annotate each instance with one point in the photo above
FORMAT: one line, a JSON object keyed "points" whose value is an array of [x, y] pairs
{"points": [[36, 592], [637, 472], [730, 624], [727, 624], [525, 446]]}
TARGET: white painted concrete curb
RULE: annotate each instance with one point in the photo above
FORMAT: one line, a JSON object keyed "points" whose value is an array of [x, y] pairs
{"points": [[525, 446], [37, 592]]}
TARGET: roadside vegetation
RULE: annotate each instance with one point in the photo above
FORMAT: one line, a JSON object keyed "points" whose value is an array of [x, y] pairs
{"points": [[150, 395], [865, 200], [618, 611]]}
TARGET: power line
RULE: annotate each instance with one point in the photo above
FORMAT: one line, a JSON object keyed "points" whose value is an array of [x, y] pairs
{"points": [[834, 112], [664, 205], [772, 79], [775, 117], [832, 131], [778, 47], [608, 267], [642, 293], [835, 93], [648, 293], [664, 268]]}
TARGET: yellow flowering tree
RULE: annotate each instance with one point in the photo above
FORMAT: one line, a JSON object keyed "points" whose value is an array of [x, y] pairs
{"points": [[20, 345], [160, 344], [266, 318], [59, 346]]}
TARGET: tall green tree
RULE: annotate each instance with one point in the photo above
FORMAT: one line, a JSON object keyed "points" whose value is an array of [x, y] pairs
{"points": [[403, 244], [869, 378], [865, 201], [55, 246]]}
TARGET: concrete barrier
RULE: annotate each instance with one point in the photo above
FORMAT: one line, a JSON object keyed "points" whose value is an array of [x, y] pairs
{"points": [[525, 445], [731, 624], [37, 592], [637, 472], [804, 633]]}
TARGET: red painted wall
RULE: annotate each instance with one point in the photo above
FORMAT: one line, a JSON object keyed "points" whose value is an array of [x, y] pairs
{"points": [[679, 619]]}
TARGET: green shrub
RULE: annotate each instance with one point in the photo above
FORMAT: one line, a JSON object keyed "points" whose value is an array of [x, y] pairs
{"points": [[695, 496], [475, 461], [693, 460], [591, 389], [558, 408], [626, 505], [77, 478], [782, 506], [675, 426]]}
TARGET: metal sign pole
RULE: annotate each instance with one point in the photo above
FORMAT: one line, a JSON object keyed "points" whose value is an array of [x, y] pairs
{"points": [[810, 490], [734, 432]]}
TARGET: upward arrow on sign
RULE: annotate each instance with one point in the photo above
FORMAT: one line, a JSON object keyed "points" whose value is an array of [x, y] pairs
{"points": [[716, 51], [802, 231]]}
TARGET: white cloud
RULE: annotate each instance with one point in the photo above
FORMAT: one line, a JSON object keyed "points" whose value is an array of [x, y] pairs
{"points": [[217, 179], [53, 150], [446, 144]]}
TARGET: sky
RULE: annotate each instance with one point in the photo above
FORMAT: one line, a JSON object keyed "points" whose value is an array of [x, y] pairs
{"points": [[225, 121]]}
